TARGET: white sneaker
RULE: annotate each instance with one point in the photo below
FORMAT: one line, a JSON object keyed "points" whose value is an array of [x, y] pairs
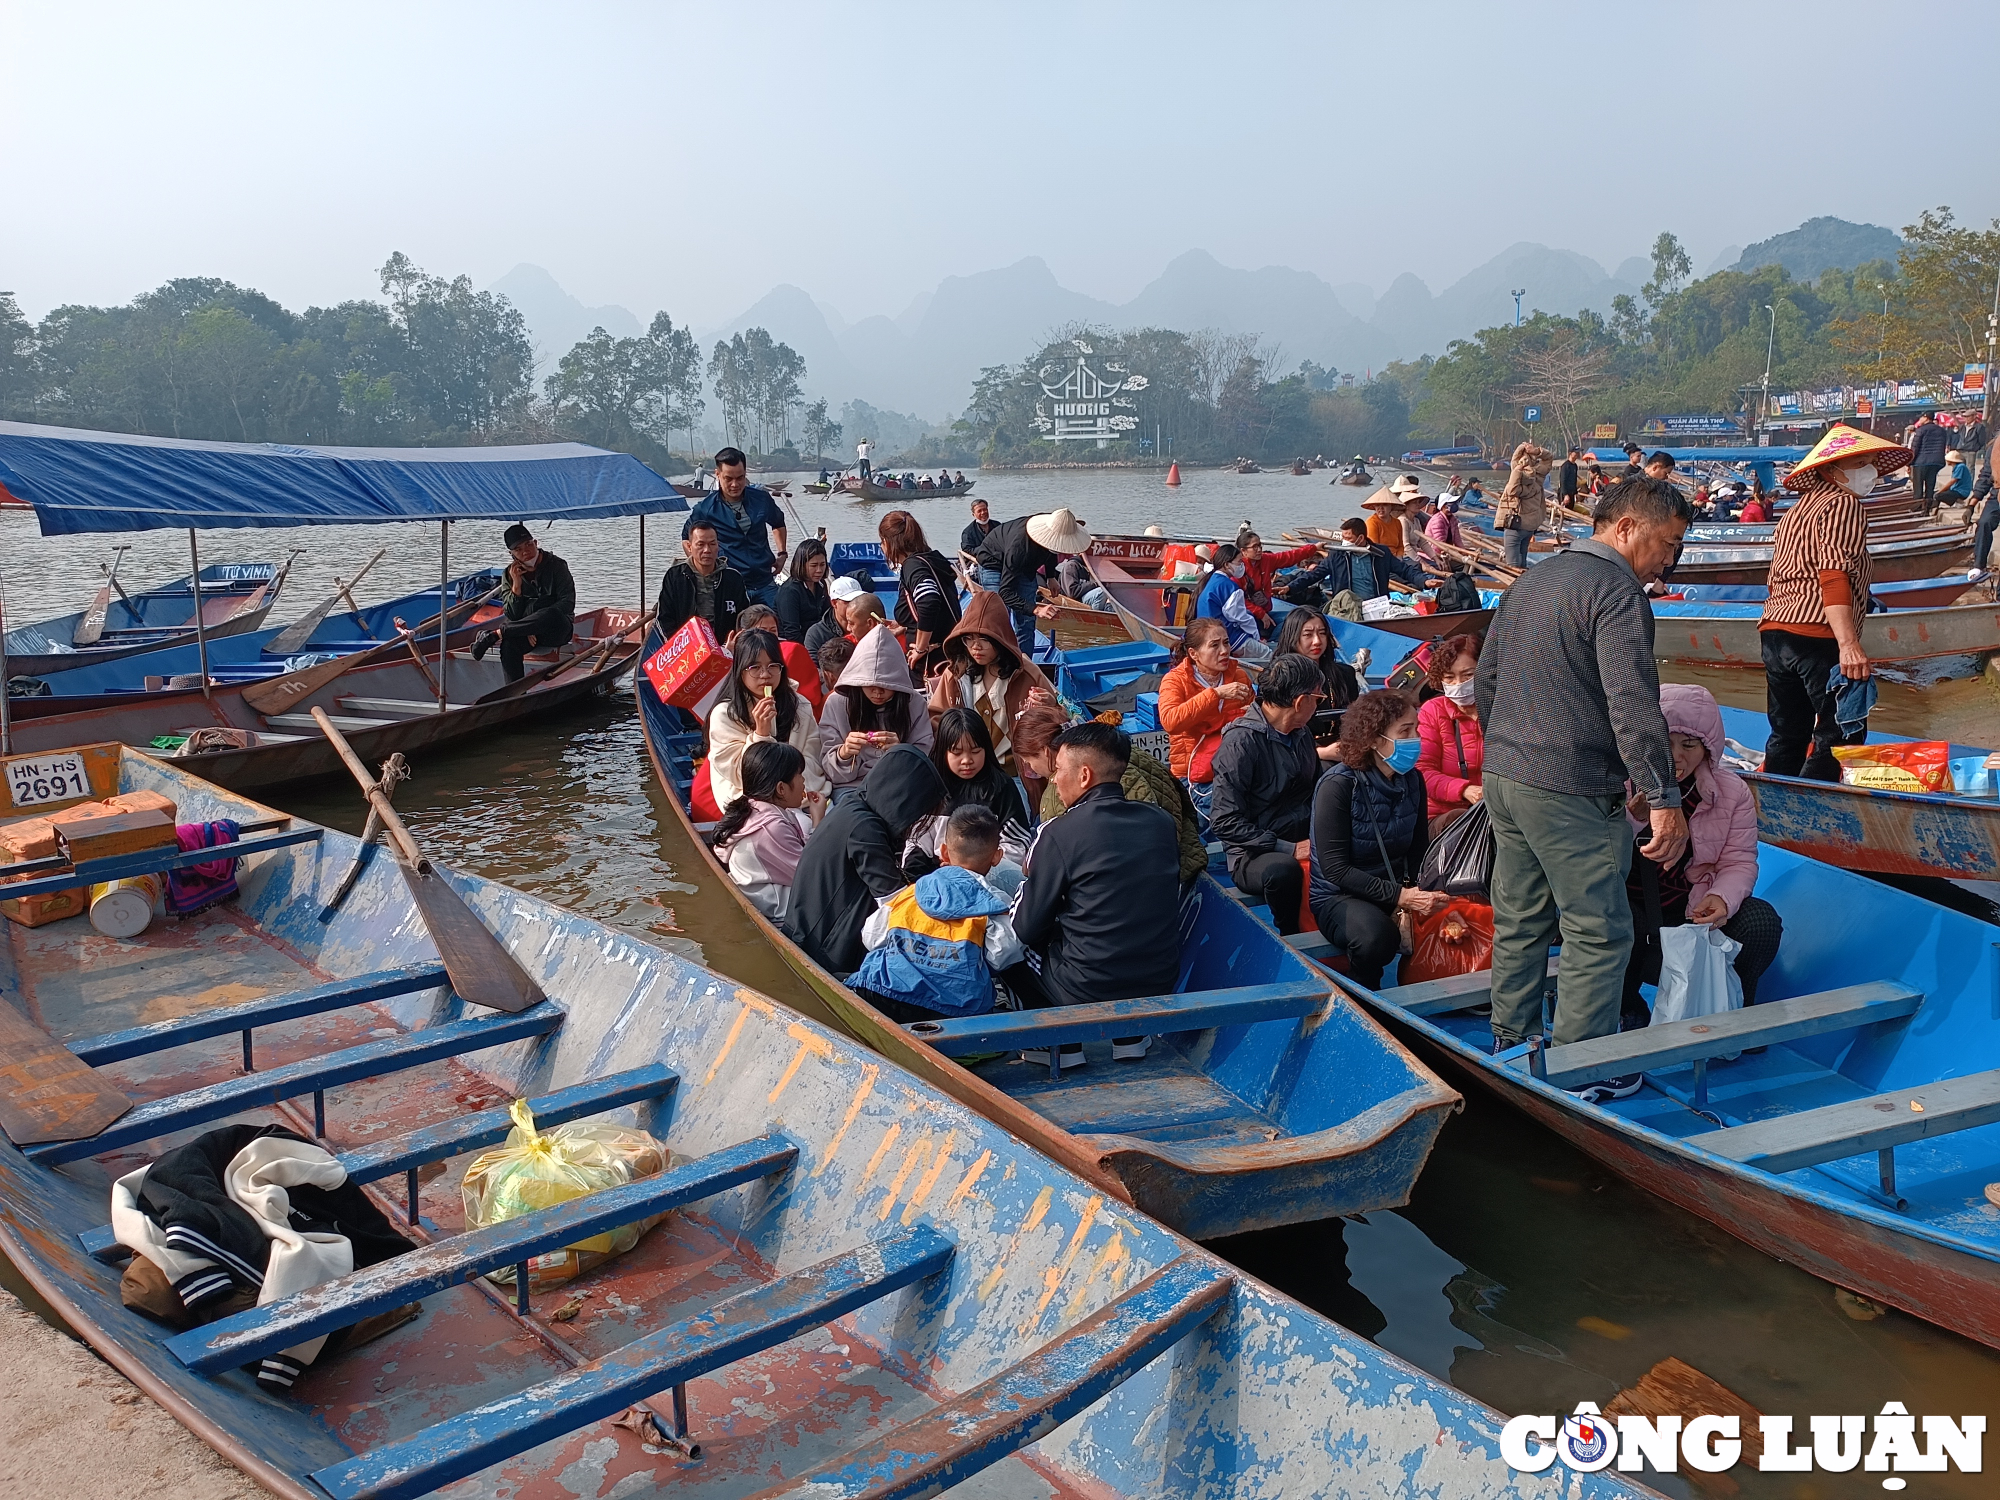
{"points": [[1072, 1055], [1130, 1049]]}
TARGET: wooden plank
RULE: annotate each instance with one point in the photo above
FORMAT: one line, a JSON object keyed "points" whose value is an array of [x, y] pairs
{"points": [[47, 1092], [410, 708], [1309, 945], [218, 1101], [473, 1132], [1150, 1015], [1877, 1123], [307, 723], [116, 1046], [1766, 1025], [250, 1335], [1026, 1401], [738, 1326], [156, 862], [1436, 997]]}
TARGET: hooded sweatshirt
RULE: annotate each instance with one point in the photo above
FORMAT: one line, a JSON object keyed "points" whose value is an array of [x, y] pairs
{"points": [[936, 943], [1722, 830], [877, 662], [998, 693], [855, 857], [763, 858]]}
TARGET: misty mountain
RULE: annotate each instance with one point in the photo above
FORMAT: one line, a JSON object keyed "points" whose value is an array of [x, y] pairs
{"points": [[556, 320], [1823, 244]]}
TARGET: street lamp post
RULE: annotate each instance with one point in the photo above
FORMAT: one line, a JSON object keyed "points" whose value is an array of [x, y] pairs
{"points": [[1770, 348], [1992, 333], [1517, 294]]}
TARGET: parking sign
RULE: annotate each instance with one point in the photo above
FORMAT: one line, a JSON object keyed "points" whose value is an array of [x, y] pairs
{"points": [[1532, 414]]}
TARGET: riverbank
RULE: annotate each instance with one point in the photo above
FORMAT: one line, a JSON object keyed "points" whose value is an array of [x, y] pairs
{"points": [[78, 1429]]}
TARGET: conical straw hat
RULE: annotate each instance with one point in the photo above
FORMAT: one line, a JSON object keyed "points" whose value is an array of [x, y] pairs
{"points": [[1843, 446]]}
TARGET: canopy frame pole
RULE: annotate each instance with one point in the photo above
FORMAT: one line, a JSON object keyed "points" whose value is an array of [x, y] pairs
{"points": [[642, 562], [6, 709], [200, 629], [444, 604]]}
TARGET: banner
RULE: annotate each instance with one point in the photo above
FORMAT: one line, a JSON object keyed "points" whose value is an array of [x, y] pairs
{"points": [[1974, 383], [1691, 426]]}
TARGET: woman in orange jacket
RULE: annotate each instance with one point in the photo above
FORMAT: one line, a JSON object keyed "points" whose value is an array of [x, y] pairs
{"points": [[1203, 690]]}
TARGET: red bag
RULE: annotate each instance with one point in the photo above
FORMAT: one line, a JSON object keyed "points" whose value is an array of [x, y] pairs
{"points": [[1918, 766], [688, 665], [701, 796], [1455, 939]]}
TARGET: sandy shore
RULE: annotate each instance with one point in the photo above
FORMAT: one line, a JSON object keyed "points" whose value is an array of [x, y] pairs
{"points": [[78, 1429]]}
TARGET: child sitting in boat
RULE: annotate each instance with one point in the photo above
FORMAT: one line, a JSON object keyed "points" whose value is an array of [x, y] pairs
{"points": [[763, 832], [934, 946], [1711, 882]]}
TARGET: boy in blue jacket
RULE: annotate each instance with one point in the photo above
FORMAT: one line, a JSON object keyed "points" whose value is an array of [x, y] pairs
{"points": [[934, 946]]}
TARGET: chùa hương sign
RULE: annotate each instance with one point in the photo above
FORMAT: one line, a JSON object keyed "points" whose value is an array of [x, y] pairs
{"points": [[1078, 404]]}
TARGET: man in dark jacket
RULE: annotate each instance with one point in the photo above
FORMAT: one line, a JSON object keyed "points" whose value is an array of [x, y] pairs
{"points": [[855, 857], [741, 514], [1928, 445], [1265, 773], [538, 601], [1567, 477], [1023, 551], [1100, 900], [977, 529], [1361, 567], [700, 585], [1569, 698]]}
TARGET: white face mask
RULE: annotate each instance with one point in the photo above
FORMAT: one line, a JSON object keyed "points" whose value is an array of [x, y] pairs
{"points": [[1459, 692], [1860, 481], [1234, 570]]}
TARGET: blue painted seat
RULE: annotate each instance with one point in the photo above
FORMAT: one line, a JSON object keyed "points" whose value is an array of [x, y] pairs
{"points": [[154, 862], [733, 1329], [260, 1331], [473, 1132], [1153, 1015], [1027, 1401], [309, 1076]]}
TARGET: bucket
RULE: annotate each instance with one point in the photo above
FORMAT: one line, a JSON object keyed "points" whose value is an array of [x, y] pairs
{"points": [[124, 908]]}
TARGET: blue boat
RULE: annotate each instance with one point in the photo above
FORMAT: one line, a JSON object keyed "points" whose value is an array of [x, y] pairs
{"points": [[235, 598], [860, 1286], [1271, 1102], [1862, 1146]]}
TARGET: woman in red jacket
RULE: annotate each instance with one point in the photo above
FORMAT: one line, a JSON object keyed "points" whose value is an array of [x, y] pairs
{"points": [[1453, 750], [1259, 567], [1201, 692]]}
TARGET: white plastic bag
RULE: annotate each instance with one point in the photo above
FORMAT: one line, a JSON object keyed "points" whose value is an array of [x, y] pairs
{"points": [[1697, 973]]}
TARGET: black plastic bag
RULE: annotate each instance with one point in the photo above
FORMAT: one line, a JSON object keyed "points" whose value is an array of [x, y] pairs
{"points": [[1460, 863]]}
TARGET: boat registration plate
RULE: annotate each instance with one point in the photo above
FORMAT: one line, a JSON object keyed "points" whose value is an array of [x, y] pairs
{"points": [[47, 778]]}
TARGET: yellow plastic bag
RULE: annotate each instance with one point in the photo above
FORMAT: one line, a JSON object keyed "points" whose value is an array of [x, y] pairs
{"points": [[533, 1171]]}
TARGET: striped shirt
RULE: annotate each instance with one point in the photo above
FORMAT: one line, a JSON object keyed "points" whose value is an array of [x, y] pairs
{"points": [[1819, 556]]}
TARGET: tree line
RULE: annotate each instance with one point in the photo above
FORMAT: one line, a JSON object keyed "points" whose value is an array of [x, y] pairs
{"points": [[435, 362]]}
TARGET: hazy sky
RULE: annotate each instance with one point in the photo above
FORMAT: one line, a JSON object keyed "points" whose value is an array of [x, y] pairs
{"points": [[693, 156]]}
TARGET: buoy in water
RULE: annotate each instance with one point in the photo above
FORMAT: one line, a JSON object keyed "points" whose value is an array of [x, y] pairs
{"points": [[1174, 475]]}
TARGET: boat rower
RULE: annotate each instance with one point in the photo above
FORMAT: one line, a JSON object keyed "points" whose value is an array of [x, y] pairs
{"points": [[538, 602]]}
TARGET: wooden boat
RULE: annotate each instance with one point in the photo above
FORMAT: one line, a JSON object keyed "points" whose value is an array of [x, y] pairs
{"points": [[980, 1308], [149, 676], [235, 598], [384, 707], [1270, 1104], [1947, 834], [1726, 634], [1300, 468], [857, 488], [1854, 1148], [817, 489], [1145, 598], [1246, 466], [1891, 562], [1910, 593], [1362, 478]]}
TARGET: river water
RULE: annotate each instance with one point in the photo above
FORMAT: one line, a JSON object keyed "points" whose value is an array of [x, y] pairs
{"points": [[1522, 1273]]}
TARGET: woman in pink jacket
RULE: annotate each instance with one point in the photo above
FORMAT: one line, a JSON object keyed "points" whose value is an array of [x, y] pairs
{"points": [[1711, 882], [1448, 729]]}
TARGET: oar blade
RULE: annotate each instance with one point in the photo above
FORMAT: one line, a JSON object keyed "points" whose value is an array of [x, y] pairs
{"points": [[91, 626], [295, 635], [47, 1092], [480, 970]]}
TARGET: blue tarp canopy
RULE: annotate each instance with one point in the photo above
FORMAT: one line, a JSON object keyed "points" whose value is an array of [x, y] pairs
{"points": [[113, 481]]}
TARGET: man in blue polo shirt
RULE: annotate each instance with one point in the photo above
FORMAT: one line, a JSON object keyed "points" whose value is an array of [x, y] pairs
{"points": [[741, 512]]}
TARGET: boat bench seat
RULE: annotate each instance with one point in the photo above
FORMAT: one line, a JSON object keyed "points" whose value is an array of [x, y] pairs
{"points": [[1154, 1015], [1704, 1037], [1026, 1401], [394, 708], [1880, 1124], [308, 722], [312, 1075], [150, 862], [473, 1132], [734, 1328], [259, 1331], [1437, 997]]}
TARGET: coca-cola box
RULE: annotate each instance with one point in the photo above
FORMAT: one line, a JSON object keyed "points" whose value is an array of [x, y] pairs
{"points": [[690, 664]]}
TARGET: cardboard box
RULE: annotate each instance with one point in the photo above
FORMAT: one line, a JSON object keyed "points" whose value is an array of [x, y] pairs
{"points": [[688, 666], [35, 838], [95, 831], [144, 802]]}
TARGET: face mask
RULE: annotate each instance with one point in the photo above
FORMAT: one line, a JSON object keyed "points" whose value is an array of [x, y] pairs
{"points": [[1234, 570], [1348, 544], [1404, 756], [1860, 480], [1459, 692]]}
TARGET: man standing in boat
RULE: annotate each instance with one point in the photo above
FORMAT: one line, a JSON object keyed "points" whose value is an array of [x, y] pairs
{"points": [[1815, 601], [538, 601], [861, 451], [742, 513]]}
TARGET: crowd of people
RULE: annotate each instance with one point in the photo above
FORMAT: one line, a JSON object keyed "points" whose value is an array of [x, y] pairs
{"points": [[903, 791]]}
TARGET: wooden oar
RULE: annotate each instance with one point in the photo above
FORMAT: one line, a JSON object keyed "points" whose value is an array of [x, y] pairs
{"points": [[276, 694], [91, 626], [582, 659], [480, 970], [294, 635], [47, 1092], [394, 773]]}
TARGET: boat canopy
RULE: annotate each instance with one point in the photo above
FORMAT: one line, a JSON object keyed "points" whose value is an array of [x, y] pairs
{"points": [[81, 481]]}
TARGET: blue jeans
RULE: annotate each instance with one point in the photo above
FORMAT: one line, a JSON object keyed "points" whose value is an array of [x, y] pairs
{"points": [[763, 593], [1989, 522], [1024, 630], [989, 578]]}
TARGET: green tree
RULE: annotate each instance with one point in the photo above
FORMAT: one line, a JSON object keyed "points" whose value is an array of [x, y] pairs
{"points": [[1939, 301], [1671, 269], [822, 432], [470, 354]]}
